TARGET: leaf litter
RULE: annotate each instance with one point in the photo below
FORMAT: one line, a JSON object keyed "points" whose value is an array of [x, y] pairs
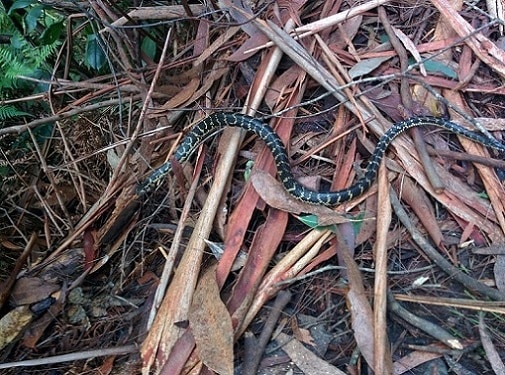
{"points": [[348, 67]]}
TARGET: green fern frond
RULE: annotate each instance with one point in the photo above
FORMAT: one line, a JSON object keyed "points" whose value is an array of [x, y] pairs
{"points": [[21, 57], [9, 112]]}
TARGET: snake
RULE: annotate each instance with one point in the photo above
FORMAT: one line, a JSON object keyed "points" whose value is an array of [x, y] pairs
{"points": [[219, 120]]}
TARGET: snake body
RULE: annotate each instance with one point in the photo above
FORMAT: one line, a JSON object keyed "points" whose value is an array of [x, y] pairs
{"points": [[217, 121]]}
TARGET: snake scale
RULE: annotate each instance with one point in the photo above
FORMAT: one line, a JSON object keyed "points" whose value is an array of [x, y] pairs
{"points": [[217, 121]]}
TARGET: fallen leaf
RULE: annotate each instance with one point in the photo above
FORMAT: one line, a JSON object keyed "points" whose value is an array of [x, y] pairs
{"points": [[490, 349], [13, 323], [412, 360], [304, 359], [275, 195], [499, 273], [367, 66], [30, 290], [359, 306], [411, 47], [211, 325]]}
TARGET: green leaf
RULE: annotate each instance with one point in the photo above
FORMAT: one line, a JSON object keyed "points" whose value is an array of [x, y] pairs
{"points": [[437, 66], [149, 47], [21, 4], [52, 33], [4, 171], [309, 220], [248, 169], [95, 56], [17, 41], [43, 76], [483, 195], [312, 221], [357, 222], [32, 18]]}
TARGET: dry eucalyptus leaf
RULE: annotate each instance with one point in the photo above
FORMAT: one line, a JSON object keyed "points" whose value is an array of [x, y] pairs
{"points": [[304, 359], [211, 325], [411, 47], [275, 195], [499, 273], [29, 290], [366, 66], [491, 351]]}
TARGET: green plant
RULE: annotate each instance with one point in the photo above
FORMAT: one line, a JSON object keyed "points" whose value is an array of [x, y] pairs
{"points": [[33, 33], [9, 112]]}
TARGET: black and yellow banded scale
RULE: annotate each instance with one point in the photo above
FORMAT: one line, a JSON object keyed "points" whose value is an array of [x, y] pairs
{"points": [[217, 121]]}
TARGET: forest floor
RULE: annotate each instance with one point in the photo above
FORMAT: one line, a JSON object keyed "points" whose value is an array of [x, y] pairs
{"points": [[218, 269]]}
